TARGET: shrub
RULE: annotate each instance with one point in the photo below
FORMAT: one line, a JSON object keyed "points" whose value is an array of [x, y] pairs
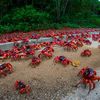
{"points": [[24, 19], [26, 14]]}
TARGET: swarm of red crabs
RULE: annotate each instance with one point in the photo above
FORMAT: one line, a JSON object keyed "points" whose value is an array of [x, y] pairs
{"points": [[88, 77], [18, 36], [70, 40]]}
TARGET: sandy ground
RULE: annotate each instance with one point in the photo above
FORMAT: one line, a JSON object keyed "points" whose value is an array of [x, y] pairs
{"points": [[48, 81]]}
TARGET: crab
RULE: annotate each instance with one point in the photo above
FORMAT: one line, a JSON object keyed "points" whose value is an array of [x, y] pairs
{"points": [[35, 60], [22, 87], [23, 52], [58, 41], [47, 52], [4, 56], [45, 44], [5, 67], [29, 50], [87, 42], [37, 46], [25, 41], [48, 49], [35, 36], [74, 47], [70, 46], [79, 43], [21, 55], [88, 76], [86, 52], [62, 59], [15, 56], [17, 44]]}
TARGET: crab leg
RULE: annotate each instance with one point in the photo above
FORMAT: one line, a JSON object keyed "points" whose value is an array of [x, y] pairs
{"points": [[96, 78], [93, 84], [2, 72], [81, 81], [9, 66], [90, 85], [28, 89], [22, 90]]}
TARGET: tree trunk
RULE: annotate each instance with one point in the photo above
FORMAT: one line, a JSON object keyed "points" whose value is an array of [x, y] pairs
{"points": [[64, 7]]}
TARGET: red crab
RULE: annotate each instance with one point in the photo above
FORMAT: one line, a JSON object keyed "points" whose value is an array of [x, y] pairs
{"points": [[21, 55], [70, 46], [25, 41], [62, 59], [5, 67], [88, 77], [47, 52], [86, 52], [48, 49], [16, 44], [87, 42], [29, 50], [4, 55], [37, 46], [19, 85], [35, 60], [58, 41], [18, 54], [15, 56], [79, 43]]}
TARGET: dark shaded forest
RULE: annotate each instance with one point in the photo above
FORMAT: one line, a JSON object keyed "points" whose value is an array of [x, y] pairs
{"points": [[27, 15]]}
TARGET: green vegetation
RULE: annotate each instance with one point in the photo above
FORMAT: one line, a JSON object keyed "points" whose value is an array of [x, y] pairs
{"points": [[26, 15]]}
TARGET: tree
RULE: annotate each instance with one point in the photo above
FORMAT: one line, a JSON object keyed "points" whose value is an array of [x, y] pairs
{"points": [[60, 8]]}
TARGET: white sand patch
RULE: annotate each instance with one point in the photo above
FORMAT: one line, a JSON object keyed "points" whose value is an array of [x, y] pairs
{"points": [[94, 43]]}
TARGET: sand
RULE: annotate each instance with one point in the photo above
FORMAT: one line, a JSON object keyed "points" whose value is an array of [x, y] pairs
{"points": [[48, 81]]}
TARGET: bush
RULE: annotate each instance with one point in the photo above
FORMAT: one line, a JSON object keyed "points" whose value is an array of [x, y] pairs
{"points": [[24, 19], [72, 25], [96, 21], [25, 14], [6, 28]]}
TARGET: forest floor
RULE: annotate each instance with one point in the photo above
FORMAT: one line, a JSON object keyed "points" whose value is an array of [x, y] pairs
{"points": [[48, 81]]}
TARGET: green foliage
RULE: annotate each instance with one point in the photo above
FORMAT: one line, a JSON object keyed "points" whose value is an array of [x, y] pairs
{"points": [[73, 25], [6, 28], [96, 21], [24, 19], [26, 14]]}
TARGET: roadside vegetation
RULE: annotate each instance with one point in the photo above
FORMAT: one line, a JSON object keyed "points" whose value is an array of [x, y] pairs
{"points": [[27, 15]]}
